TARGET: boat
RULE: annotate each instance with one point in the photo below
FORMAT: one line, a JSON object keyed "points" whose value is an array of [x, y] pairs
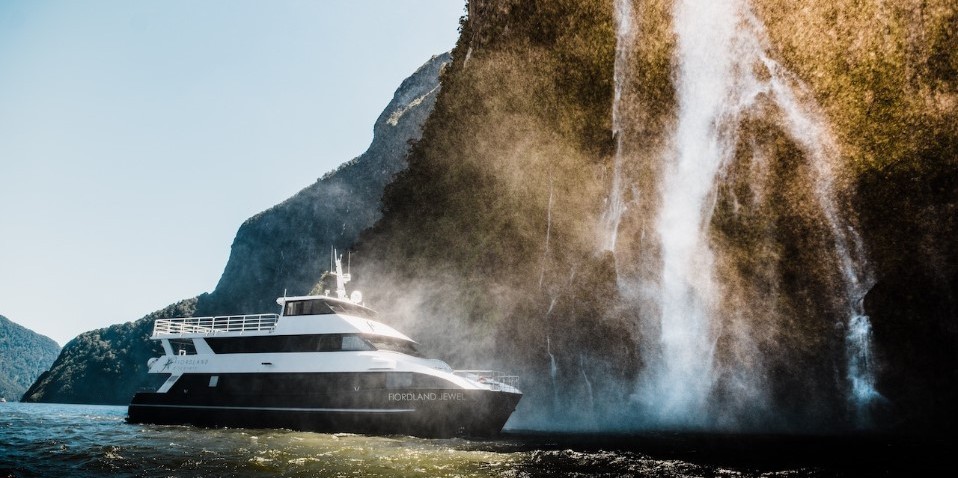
{"points": [[324, 364]]}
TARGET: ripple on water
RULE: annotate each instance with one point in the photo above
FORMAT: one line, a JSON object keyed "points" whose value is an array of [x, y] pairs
{"points": [[82, 441]]}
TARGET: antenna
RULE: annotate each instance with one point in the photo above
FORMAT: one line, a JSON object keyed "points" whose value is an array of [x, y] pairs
{"points": [[341, 278]]}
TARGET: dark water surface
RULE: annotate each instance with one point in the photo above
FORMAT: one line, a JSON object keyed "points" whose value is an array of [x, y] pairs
{"points": [[80, 440]]}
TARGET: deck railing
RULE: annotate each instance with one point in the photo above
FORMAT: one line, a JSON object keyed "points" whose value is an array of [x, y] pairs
{"points": [[212, 325], [494, 379]]}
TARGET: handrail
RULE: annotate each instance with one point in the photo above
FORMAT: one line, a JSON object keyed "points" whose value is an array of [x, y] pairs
{"points": [[180, 326], [495, 380]]}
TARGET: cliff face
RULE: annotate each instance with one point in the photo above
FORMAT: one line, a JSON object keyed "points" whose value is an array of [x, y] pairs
{"points": [[287, 246], [667, 215], [284, 247], [24, 355]]}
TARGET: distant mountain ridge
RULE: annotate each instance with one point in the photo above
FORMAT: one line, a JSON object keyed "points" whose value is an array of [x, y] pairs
{"points": [[282, 248], [286, 247], [24, 355]]}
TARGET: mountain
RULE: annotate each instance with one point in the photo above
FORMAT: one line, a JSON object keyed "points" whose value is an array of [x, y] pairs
{"points": [[105, 366], [280, 249], [286, 247], [24, 355]]}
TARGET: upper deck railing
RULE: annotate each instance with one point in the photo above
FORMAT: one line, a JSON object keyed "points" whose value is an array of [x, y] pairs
{"points": [[493, 379], [181, 326]]}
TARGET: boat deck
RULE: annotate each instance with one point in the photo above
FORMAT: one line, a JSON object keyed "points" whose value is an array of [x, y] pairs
{"points": [[205, 326]]}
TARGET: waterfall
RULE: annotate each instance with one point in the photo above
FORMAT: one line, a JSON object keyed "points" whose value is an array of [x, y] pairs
{"points": [[849, 251], [553, 370], [807, 127], [723, 73], [625, 37], [861, 371], [588, 385], [683, 375], [545, 249]]}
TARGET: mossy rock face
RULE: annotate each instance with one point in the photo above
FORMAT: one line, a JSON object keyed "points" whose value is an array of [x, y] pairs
{"points": [[885, 72], [910, 217], [506, 189]]}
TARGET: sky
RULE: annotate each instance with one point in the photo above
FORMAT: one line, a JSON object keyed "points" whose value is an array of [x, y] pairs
{"points": [[136, 137]]}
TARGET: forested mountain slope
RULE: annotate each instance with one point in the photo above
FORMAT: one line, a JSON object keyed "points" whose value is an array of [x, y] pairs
{"points": [[24, 355]]}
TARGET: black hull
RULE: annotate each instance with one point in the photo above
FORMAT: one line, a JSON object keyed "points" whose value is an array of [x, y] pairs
{"points": [[420, 412]]}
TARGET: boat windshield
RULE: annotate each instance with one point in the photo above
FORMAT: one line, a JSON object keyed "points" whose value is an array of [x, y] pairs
{"points": [[392, 344], [321, 307]]}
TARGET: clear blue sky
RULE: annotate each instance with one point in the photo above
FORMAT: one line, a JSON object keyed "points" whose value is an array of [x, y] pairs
{"points": [[136, 136]]}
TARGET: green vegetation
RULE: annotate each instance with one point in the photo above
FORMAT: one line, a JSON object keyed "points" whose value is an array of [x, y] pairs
{"points": [[107, 365], [24, 355], [885, 73]]}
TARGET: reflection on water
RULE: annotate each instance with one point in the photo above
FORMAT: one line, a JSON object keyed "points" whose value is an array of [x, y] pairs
{"points": [[48, 440], [81, 440]]}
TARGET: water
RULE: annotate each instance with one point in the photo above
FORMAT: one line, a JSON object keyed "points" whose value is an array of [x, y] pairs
{"points": [[545, 248], [861, 371], [677, 390], [724, 73], [91, 441], [553, 370], [79, 440], [590, 394], [625, 38]]}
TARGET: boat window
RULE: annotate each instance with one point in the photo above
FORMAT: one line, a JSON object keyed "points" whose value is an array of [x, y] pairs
{"points": [[392, 344], [183, 346], [307, 307], [322, 307], [284, 384], [288, 343], [355, 343], [329, 343]]}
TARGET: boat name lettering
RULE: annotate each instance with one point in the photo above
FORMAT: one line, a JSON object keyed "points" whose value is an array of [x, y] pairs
{"points": [[192, 362], [428, 396]]}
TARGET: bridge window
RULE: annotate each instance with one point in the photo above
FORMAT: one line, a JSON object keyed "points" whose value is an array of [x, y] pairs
{"points": [[307, 307], [322, 306]]}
